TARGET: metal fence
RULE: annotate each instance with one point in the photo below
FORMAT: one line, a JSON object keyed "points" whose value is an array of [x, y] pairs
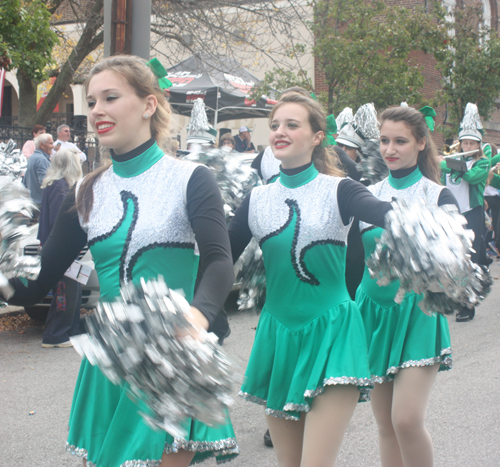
{"points": [[56, 119]]}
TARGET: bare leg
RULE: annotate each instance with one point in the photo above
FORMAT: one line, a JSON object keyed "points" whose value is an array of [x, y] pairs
{"points": [[381, 402], [177, 459], [412, 388], [326, 424], [84, 463], [287, 436]]}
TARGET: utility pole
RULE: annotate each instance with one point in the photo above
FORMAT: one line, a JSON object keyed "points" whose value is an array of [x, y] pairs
{"points": [[127, 27]]}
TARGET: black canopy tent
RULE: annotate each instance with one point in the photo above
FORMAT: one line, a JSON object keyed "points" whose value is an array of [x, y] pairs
{"points": [[226, 93]]}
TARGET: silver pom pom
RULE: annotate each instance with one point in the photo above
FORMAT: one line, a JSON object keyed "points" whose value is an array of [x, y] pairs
{"points": [[372, 164], [252, 278], [134, 340], [16, 213], [428, 250], [403, 104], [366, 123], [12, 161], [233, 174]]}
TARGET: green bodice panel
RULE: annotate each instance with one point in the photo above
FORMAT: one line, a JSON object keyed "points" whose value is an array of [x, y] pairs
{"points": [[178, 266], [287, 292]]}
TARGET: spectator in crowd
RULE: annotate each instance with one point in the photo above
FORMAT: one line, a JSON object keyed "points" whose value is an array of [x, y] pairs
{"points": [[29, 146], [38, 164], [62, 142], [227, 141], [243, 141], [63, 320]]}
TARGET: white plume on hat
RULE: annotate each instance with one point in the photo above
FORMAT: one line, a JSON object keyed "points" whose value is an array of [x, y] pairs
{"points": [[344, 117], [471, 126], [198, 128], [363, 127]]}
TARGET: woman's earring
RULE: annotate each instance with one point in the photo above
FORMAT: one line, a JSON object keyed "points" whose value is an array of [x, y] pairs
{"points": [[146, 115]]}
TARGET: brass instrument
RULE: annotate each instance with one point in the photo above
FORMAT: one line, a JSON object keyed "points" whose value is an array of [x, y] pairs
{"points": [[449, 150]]}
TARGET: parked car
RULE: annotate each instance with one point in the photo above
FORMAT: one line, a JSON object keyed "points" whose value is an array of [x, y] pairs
{"points": [[90, 291]]}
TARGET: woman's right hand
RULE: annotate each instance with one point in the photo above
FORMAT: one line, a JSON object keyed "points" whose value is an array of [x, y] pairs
{"points": [[495, 170]]}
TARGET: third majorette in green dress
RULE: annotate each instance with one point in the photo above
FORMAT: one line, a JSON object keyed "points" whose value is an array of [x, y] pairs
{"points": [[400, 336], [310, 333]]}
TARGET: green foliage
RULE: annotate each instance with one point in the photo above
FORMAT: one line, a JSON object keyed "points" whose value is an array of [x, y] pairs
{"points": [[26, 38], [364, 48], [469, 66], [279, 80]]}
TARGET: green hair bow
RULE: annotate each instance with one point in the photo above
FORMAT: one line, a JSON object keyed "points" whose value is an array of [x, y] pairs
{"points": [[159, 71], [331, 129], [429, 114]]}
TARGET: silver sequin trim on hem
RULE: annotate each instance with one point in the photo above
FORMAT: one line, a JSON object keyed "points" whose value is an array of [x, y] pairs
{"points": [[281, 414], [82, 453], [445, 359], [290, 407], [223, 447], [276, 413], [250, 398], [342, 380]]}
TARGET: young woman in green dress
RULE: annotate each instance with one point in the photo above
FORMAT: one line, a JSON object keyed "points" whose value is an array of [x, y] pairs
{"points": [[406, 347], [143, 215], [308, 364]]}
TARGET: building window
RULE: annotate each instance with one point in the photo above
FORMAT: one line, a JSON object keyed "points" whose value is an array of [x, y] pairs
{"points": [[449, 6]]}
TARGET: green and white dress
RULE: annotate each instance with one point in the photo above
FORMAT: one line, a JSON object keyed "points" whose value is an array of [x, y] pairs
{"points": [[310, 334], [151, 215], [138, 228], [399, 335]]}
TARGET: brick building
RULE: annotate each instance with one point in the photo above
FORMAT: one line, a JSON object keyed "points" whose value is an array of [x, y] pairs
{"points": [[432, 76]]}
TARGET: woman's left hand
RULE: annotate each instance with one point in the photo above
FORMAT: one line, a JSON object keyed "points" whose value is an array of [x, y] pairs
{"points": [[199, 322]]}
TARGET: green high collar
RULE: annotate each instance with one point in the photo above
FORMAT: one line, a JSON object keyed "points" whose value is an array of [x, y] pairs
{"points": [[294, 181], [138, 164], [405, 182]]}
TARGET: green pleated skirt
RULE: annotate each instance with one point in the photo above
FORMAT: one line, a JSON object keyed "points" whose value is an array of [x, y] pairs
{"points": [[403, 336], [106, 429], [287, 369]]}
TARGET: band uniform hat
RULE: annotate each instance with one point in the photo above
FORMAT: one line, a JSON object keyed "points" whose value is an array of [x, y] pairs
{"points": [[349, 137], [471, 126]]}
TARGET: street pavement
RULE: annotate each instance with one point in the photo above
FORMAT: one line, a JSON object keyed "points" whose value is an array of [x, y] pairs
{"points": [[463, 416]]}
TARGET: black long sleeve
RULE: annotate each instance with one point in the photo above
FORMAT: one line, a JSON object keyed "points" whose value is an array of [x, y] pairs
{"points": [[447, 197], [206, 215], [239, 231], [65, 242], [355, 200], [256, 163], [350, 167]]}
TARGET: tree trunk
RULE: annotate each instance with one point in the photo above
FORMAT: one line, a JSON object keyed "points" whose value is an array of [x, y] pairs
{"points": [[89, 41], [330, 100], [27, 99]]}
